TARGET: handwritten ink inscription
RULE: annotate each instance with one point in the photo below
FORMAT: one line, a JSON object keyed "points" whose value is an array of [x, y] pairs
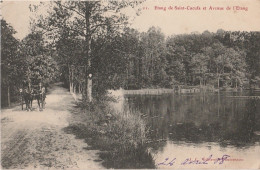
{"points": [[189, 161]]}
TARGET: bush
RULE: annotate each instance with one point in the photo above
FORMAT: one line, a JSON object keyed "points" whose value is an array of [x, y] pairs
{"points": [[120, 135]]}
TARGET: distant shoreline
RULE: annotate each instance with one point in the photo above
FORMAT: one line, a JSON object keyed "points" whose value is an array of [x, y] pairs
{"points": [[183, 90]]}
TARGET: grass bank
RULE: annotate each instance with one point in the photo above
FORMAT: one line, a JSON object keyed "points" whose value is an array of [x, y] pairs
{"points": [[120, 136]]}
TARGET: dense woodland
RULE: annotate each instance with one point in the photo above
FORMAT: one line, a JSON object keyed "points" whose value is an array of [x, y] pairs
{"points": [[122, 57]]}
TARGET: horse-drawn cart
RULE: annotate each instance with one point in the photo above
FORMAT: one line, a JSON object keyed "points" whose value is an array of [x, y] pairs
{"points": [[30, 93]]}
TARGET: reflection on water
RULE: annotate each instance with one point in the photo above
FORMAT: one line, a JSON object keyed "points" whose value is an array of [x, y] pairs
{"points": [[205, 122]]}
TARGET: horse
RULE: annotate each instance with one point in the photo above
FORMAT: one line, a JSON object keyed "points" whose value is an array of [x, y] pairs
{"points": [[40, 96], [28, 97], [35, 96]]}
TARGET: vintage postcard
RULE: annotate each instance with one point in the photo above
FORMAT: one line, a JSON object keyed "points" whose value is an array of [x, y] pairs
{"points": [[130, 84]]}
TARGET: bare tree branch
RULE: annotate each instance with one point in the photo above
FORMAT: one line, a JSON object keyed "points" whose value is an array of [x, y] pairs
{"points": [[59, 4]]}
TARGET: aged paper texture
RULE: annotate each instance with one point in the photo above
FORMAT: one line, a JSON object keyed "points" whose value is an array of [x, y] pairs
{"points": [[147, 84]]}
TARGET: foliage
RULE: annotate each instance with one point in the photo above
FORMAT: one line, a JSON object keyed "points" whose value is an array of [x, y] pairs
{"points": [[41, 69], [12, 64], [94, 37], [136, 60], [82, 22], [121, 135], [122, 57], [24, 62], [40, 65], [192, 59]]}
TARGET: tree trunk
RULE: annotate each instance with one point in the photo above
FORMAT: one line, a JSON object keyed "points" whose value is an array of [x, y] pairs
{"points": [[218, 82], [218, 78], [8, 96], [70, 79], [30, 87], [127, 79], [88, 75], [74, 89]]}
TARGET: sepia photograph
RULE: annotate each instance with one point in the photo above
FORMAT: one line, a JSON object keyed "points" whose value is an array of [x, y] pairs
{"points": [[130, 84]]}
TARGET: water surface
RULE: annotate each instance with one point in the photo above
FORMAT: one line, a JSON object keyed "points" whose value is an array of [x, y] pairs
{"points": [[199, 125]]}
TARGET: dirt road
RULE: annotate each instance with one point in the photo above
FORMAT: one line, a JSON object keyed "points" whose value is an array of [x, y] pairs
{"points": [[36, 139]]}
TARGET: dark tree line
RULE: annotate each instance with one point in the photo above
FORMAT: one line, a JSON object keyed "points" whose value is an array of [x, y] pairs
{"points": [[135, 60], [130, 59], [11, 64], [93, 38], [24, 63], [84, 22]]}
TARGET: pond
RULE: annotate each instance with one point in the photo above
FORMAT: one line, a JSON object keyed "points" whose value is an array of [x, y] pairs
{"points": [[200, 130]]}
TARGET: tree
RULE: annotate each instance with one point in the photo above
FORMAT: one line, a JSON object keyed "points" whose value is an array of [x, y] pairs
{"points": [[199, 67], [11, 62], [175, 67], [39, 64], [154, 57], [117, 63], [252, 45], [87, 20]]}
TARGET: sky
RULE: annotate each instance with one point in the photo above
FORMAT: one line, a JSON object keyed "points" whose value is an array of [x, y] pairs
{"points": [[171, 22]]}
